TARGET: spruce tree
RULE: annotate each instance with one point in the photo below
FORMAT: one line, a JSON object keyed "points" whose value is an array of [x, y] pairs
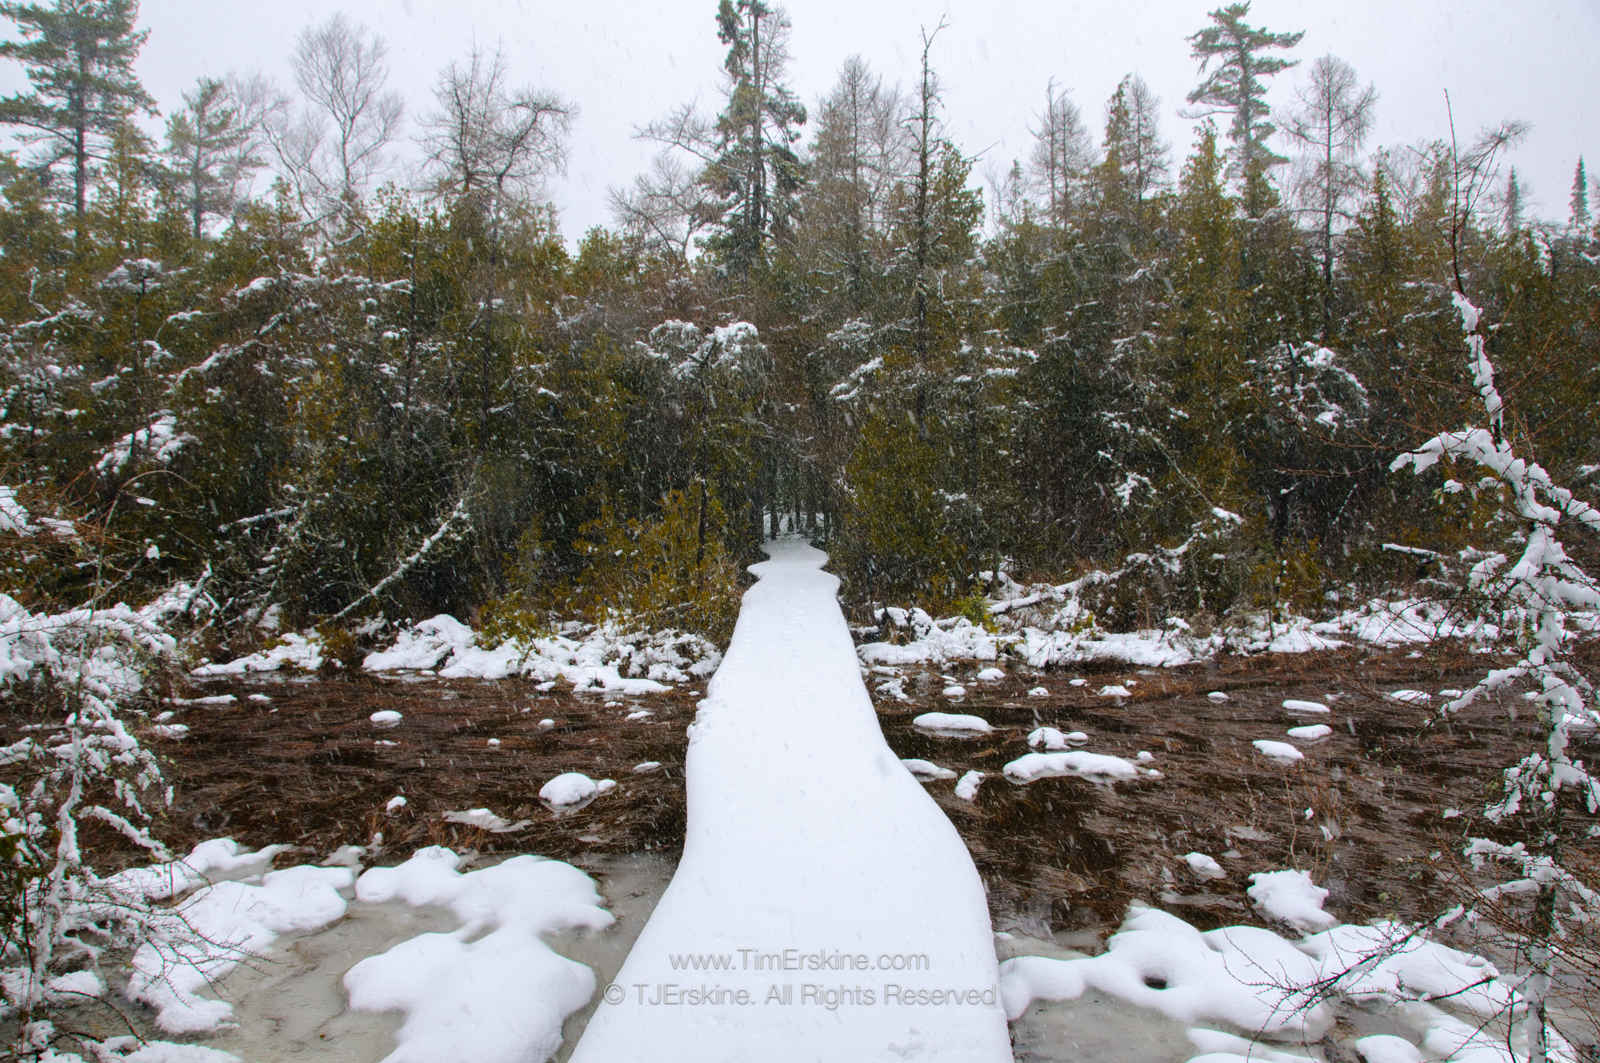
{"points": [[78, 56], [1236, 85]]}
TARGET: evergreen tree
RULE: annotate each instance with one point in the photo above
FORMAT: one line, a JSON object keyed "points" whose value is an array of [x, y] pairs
{"points": [[78, 56], [1580, 216], [1236, 86], [211, 151], [1134, 166], [756, 172]]}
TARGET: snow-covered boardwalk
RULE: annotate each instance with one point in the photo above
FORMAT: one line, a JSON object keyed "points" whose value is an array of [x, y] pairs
{"points": [[825, 908]]}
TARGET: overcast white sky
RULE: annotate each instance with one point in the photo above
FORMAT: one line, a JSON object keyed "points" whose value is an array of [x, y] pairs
{"points": [[624, 62]]}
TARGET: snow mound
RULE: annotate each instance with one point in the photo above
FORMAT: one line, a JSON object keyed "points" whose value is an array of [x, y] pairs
{"points": [[927, 770], [209, 859], [571, 790], [219, 927], [1051, 740], [483, 819], [1096, 767], [1409, 697], [422, 646], [385, 718], [1116, 690], [952, 723], [1311, 732], [1290, 897], [967, 786], [295, 651], [1204, 867], [990, 675], [1279, 751], [604, 658], [1160, 962], [493, 984], [1301, 707]]}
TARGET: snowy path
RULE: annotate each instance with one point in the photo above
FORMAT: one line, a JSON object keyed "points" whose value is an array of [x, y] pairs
{"points": [[832, 909]]}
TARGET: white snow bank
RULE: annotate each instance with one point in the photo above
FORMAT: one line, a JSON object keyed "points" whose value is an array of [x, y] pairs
{"points": [[295, 651], [385, 718], [1290, 897], [209, 859], [219, 927], [952, 723], [1260, 983], [571, 790], [967, 786], [584, 657], [1302, 707], [1096, 767], [1243, 976], [1311, 732], [492, 990]]}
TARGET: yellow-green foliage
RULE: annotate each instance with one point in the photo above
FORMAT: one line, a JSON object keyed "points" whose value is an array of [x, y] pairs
{"points": [[673, 570], [895, 540]]}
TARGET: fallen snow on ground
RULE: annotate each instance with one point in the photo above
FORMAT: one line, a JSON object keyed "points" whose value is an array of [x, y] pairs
{"points": [[491, 991], [926, 769], [1290, 897], [952, 723], [1051, 740], [218, 927], [217, 858], [1160, 962], [483, 819], [967, 785], [385, 718], [1286, 991], [1279, 751], [294, 651], [1203, 866], [1096, 767], [1302, 707], [584, 657], [1311, 732], [571, 790], [1048, 627]]}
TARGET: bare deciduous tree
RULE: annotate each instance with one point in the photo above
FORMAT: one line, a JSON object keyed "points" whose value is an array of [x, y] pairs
{"points": [[334, 146], [489, 143], [1333, 118]]}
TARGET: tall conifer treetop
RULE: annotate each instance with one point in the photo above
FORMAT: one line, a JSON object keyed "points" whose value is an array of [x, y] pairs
{"points": [[78, 56], [1236, 56]]}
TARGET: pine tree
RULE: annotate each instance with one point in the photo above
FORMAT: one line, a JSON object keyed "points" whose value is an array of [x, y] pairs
{"points": [[756, 172], [78, 56], [211, 150], [1236, 86]]}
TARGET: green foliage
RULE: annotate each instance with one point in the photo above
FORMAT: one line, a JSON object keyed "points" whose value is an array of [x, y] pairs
{"points": [[671, 569]]}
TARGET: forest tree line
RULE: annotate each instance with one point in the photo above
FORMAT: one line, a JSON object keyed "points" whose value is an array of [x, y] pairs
{"points": [[237, 358]]}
